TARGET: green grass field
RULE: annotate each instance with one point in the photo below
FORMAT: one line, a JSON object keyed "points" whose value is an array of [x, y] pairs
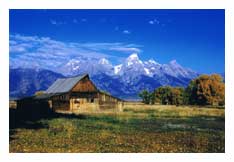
{"points": [[138, 128]]}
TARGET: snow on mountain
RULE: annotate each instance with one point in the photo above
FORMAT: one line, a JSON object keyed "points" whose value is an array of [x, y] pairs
{"points": [[180, 71], [151, 62], [132, 63], [153, 68], [104, 61], [91, 66], [72, 65], [117, 69], [124, 80], [131, 68], [104, 66], [133, 59], [147, 71]]}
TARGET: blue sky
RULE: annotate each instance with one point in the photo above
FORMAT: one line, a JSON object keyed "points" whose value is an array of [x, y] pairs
{"points": [[195, 38]]}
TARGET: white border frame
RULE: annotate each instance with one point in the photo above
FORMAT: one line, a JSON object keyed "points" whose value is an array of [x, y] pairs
{"points": [[5, 5]]}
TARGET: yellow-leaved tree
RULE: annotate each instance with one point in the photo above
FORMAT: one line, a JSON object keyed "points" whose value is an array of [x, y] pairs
{"points": [[207, 90]]}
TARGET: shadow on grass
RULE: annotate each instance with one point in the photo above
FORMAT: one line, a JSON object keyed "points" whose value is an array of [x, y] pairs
{"points": [[29, 120]]}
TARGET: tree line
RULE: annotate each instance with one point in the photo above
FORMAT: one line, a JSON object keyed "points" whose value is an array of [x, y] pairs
{"points": [[204, 90]]}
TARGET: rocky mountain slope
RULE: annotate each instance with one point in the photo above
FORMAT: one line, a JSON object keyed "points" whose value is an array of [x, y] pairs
{"points": [[125, 80]]}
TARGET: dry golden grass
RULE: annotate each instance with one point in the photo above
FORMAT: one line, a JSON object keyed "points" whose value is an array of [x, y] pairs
{"points": [[181, 111], [139, 128]]}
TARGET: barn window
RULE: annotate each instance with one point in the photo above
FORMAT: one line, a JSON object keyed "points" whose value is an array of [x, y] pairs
{"points": [[62, 97], [90, 100], [77, 101]]}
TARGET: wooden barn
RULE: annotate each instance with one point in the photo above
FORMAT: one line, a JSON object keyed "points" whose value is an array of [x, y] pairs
{"points": [[79, 94]]}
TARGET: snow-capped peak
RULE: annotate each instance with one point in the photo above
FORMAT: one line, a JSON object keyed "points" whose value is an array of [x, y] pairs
{"points": [[133, 59], [133, 56], [152, 61], [103, 61], [175, 65], [131, 68], [173, 62], [117, 68], [72, 62]]}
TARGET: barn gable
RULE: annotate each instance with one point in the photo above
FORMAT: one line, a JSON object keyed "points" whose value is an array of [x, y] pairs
{"points": [[84, 85]]}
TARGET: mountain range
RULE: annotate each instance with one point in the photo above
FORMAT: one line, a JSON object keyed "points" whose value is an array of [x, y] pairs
{"points": [[125, 80]]}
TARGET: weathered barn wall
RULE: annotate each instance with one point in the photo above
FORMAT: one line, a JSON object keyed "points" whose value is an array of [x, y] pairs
{"points": [[84, 104], [92, 102], [61, 102], [108, 102], [85, 85], [80, 101]]}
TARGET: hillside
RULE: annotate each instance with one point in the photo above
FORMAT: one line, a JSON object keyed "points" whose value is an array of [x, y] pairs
{"points": [[25, 82], [125, 80]]}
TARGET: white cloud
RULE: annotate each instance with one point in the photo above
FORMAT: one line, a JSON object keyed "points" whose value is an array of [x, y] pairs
{"points": [[83, 20], [53, 22], [18, 37], [57, 22], [41, 51], [75, 21], [126, 49], [17, 49], [109, 47], [151, 22], [12, 42], [126, 32], [154, 21]]}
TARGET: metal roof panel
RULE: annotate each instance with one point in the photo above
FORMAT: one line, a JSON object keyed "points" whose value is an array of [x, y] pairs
{"points": [[64, 85]]}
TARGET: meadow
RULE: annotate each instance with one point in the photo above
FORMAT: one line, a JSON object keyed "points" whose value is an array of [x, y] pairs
{"points": [[138, 128]]}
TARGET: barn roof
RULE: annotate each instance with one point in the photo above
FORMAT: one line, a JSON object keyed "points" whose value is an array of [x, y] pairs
{"points": [[45, 96], [64, 85]]}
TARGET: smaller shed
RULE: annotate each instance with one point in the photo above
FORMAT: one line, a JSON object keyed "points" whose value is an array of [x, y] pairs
{"points": [[33, 109]]}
